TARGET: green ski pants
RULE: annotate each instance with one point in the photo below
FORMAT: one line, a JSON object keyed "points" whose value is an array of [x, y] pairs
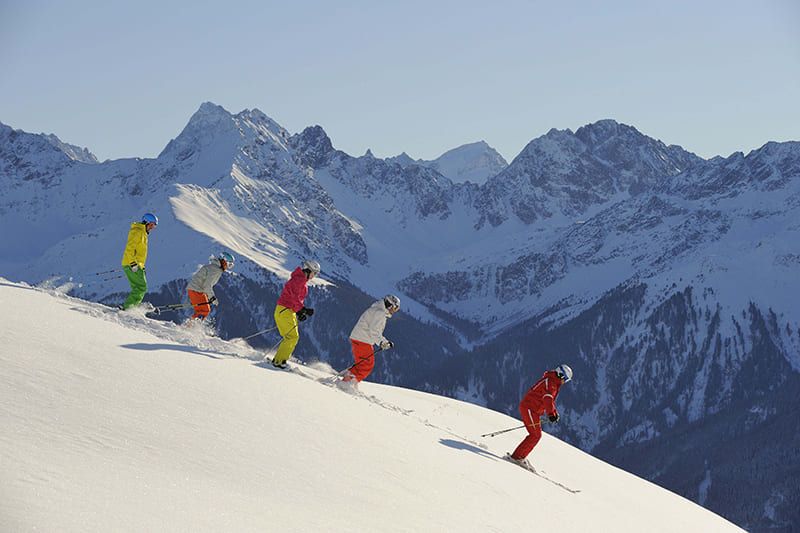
{"points": [[138, 283]]}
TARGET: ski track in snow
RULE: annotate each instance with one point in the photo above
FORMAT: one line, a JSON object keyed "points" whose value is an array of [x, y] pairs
{"points": [[200, 336]]}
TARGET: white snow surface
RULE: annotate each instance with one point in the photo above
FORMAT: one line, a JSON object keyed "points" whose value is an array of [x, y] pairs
{"points": [[113, 422]]}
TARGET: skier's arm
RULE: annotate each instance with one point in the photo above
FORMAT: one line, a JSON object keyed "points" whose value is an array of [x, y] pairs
{"points": [[208, 288], [375, 326], [141, 249], [549, 400]]}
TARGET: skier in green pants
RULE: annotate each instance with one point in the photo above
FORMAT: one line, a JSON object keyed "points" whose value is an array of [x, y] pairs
{"points": [[134, 257]]}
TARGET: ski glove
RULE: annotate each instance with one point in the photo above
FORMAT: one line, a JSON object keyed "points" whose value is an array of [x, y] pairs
{"points": [[134, 266], [554, 418], [304, 313], [213, 300], [385, 345]]}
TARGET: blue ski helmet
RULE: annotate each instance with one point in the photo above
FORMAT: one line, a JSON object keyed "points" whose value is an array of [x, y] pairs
{"points": [[228, 258], [150, 218]]}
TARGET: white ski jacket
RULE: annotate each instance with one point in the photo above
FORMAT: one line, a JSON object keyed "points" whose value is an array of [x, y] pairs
{"points": [[371, 323], [205, 279]]}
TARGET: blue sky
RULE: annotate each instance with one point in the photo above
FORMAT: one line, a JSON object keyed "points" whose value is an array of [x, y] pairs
{"points": [[123, 78]]}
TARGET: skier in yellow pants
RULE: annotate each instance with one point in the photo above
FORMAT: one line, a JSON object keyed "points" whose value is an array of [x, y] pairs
{"points": [[287, 322], [291, 310]]}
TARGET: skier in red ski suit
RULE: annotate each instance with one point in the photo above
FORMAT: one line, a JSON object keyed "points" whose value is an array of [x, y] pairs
{"points": [[539, 400]]}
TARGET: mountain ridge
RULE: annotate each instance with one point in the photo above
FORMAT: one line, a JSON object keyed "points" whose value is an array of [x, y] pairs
{"points": [[605, 222]]}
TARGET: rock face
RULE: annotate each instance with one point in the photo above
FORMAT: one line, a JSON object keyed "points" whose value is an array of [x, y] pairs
{"points": [[668, 282]]}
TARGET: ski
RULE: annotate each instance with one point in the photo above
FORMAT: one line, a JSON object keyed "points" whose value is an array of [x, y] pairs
{"points": [[525, 465]]}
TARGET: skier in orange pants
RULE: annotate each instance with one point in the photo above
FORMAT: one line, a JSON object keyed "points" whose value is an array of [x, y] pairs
{"points": [[201, 286], [369, 331]]}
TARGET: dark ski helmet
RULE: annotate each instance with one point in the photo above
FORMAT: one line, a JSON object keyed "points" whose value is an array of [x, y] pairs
{"points": [[391, 301]]}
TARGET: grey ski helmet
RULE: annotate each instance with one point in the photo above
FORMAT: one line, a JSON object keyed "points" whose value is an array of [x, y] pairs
{"points": [[311, 266]]}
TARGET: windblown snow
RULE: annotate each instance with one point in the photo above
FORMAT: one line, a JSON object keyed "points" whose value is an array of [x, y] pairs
{"points": [[113, 422]]}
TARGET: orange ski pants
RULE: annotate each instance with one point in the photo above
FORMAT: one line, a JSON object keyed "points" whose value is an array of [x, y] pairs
{"points": [[364, 358], [200, 302]]}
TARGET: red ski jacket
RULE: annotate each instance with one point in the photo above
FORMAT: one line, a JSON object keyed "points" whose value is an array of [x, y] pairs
{"points": [[541, 398], [295, 290]]}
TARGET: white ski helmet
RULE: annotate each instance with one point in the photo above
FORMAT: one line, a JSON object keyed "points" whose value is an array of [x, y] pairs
{"points": [[564, 372], [311, 266], [390, 300]]}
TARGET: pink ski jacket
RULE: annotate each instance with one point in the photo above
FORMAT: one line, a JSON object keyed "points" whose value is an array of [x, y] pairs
{"points": [[294, 292]]}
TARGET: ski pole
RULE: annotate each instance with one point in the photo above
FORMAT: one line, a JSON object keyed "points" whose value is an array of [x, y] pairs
{"points": [[259, 333], [342, 373], [502, 431], [113, 277], [106, 272], [511, 429], [275, 346], [171, 307]]}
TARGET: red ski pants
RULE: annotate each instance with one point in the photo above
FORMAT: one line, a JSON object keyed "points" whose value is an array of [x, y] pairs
{"points": [[530, 417], [200, 302], [364, 357]]}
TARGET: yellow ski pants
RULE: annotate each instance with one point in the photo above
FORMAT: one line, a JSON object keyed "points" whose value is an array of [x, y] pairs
{"points": [[286, 321]]}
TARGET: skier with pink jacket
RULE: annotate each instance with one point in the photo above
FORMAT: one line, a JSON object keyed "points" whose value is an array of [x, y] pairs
{"points": [[291, 310]]}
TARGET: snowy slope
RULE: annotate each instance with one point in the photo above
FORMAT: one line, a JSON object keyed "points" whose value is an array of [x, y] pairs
{"points": [[114, 422]]}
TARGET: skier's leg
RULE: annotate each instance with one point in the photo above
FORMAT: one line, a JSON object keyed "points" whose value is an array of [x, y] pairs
{"points": [[138, 283], [286, 320], [364, 359], [534, 427], [199, 301]]}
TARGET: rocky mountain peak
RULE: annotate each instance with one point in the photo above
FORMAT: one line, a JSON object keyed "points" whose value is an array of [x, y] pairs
{"points": [[313, 145], [403, 160], [206, 125], [262, 125], [601, 131], [76, 153]]}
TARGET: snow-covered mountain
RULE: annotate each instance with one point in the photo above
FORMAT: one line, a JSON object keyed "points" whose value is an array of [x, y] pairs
{"points": [[113, 422], [474, 162], [666, 280]]}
